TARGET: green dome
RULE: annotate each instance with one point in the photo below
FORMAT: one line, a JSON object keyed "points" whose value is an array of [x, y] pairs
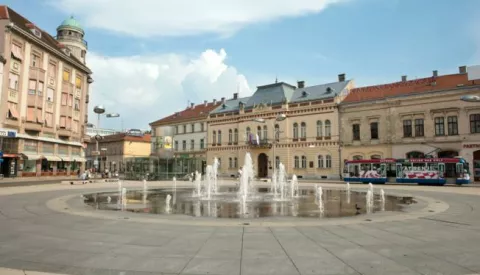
{"points": [[71, 23]]}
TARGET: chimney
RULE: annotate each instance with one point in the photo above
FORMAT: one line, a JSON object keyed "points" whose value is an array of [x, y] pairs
{"points": [[223, 99], [404, 78], [235, 96], [462, 69], [301, 84], [341, 77], [192, 105], [435, 73], [214, 101]]}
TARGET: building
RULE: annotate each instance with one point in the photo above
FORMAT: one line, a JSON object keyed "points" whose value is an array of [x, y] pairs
{"points": [[414, 118], [297, 126], [45, 85], [93, 131], [179, 141], [116, 150]]}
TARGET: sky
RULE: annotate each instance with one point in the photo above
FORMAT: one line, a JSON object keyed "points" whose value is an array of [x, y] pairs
{"points": [[151, 58]]}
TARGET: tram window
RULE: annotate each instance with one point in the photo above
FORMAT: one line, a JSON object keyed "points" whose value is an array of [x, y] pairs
{"points": [[418, 166], [376, 166], [391, 170], [365, 166], [432, 166]]}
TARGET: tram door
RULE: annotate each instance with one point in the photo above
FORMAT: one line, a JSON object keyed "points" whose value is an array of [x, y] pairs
{"points": [[399, 172]]}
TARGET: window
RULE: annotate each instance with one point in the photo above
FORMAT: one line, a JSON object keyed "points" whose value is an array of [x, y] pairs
{"points": [[265, 133], [230, 136], [235, 162], [303, 130], [419, 127], [184, 145], [328, 161], [375, 157], [356, 131], [52, 70], [35, 62], [214, 137], [202, 144], [259, 132], [63, 122], [75, 126], [277, 132], [13, 81], [64, 99], [69, 123], [235, 136], [176, 145], [17, 52], [304, 162], [78, 82], [296, 162], [31, 116], [452, 125], [77, 104], [40, 88], [32, 87], [374, 130], [230, 163], [39, 116], [277, 162], [475, 123], [192, 144], [30, 146], [357, 157], [66, 76], [248, 132], [295, 131], [439, 126], [320, 161], [201, 127], [184, 129], [407, 128], [328, 128], [319, 128], [219, 137]]}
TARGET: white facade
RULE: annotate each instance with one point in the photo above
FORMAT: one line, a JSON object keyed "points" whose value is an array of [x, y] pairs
{"points": [[190, 137]]}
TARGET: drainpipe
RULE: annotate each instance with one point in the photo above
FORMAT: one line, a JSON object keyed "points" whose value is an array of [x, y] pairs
{"points": [[340, 143]]}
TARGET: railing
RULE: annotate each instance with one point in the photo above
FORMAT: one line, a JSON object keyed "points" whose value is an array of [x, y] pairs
{"points": [[263, 143]]}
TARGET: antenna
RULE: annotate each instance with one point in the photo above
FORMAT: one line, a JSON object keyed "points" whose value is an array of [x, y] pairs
{"points": [[276, 79]]}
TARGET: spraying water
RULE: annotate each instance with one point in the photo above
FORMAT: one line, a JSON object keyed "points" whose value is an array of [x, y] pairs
{"points": [[175, 190], [145, 186], [246, 179], [369, 202], [109, 199], [382, 199], [319, 196], [370, 187], [274, 184], [348, 192], [282, 180], [294, 187], [124, 197], [167, 203], [348, 187], [198, 184]]}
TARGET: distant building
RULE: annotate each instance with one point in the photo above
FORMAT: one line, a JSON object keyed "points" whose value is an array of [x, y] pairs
{"points": [[92, 131]]}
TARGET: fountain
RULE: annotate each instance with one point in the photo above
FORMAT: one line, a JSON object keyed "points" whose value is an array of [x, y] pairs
{"points": [[175, 189], [198, 184], [119, 186], [369, 201], [109, 199], [348, 187], [382, 199], [124, 198], [168, 208], [370, 187], [348, 193], [319, 197], [246, 179], [282, 181], [294, 187]]}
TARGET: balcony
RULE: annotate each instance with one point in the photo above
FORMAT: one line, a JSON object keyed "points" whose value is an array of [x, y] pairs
{"points": [[32, 126], [64, 132], [13, 96], [263, 144], [36, 73]]}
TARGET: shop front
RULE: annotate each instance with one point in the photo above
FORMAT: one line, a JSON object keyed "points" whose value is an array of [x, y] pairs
{"points": [[471, 152]]}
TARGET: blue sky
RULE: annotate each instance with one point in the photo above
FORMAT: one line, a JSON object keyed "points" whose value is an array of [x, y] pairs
{"points": [[372, 41]]}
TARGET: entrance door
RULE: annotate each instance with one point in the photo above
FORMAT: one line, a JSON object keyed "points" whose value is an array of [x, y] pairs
{"points": [[262, 165], [476, 165]]}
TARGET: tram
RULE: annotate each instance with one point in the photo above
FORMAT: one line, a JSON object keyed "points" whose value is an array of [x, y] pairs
{"points": [[423, 171]]}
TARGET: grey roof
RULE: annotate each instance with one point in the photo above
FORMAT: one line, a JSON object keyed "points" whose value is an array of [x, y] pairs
{"points": [[316, 92], [230, 105], [273, 94]]}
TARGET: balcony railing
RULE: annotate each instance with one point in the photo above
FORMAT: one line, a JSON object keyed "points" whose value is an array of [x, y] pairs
{"points": [[263, 143]]}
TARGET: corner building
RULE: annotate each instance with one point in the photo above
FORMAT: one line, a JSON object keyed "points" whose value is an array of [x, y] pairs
{"points": [[44, 102], [306, 140]]}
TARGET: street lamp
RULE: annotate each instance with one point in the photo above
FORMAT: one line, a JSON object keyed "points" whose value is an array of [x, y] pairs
{"points": [[470, 98], [115, 115], [99, 109], [280, 117]]}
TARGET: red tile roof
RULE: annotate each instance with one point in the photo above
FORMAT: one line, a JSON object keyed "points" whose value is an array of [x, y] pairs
{"points": [[199, 111], [410, 87], [23, 23]]}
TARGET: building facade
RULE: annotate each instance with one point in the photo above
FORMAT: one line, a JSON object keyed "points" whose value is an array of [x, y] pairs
{"points": [[280, 123], [116, 150], [179, 141], [416, 118], [44, 97]]}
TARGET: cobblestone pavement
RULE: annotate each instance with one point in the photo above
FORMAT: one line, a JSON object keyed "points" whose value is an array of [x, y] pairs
{"points": [[46, 228]]}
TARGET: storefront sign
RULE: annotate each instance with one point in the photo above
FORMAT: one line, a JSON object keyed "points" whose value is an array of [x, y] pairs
{"points": [[474, 145], [8, 133]]}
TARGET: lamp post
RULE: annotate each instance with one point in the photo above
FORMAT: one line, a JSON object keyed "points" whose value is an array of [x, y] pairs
{"points": [[99, 109], [115, 115], [280, 117]]}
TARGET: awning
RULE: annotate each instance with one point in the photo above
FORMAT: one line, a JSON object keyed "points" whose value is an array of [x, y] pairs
{"points": [[66, 158], [32, 156], [79, 159], [52, 158]]}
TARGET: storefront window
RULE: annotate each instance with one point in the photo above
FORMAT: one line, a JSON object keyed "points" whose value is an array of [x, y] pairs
{"points": [[30, 146], [63, 150], [30, 166]]}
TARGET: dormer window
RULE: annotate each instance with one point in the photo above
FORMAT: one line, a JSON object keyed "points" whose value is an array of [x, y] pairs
{"points": [[36, 32], [304, 94], [329, 90]]}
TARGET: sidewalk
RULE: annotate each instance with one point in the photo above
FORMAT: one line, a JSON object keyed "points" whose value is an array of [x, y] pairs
{"points": [[23, 179], [7, 271]]}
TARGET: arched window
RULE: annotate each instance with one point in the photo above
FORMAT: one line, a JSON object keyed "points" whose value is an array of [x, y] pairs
{"points": [[277, 132], [235, 136], [304, 162], [319, 128], [328, 128], [248, 135], [219, 137], [295, 130], [259, 132], [214, 137], [230, 136], [415, 154], [375, 157], [357, 157], [303, 130], [320, 161], [328, 161], [230, 163], [277, 162], [296, 162], [235, 162], [265, 133]]}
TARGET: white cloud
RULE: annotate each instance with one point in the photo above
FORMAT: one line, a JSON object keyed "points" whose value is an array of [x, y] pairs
{"points": [[145, 18], [146, 88]]}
